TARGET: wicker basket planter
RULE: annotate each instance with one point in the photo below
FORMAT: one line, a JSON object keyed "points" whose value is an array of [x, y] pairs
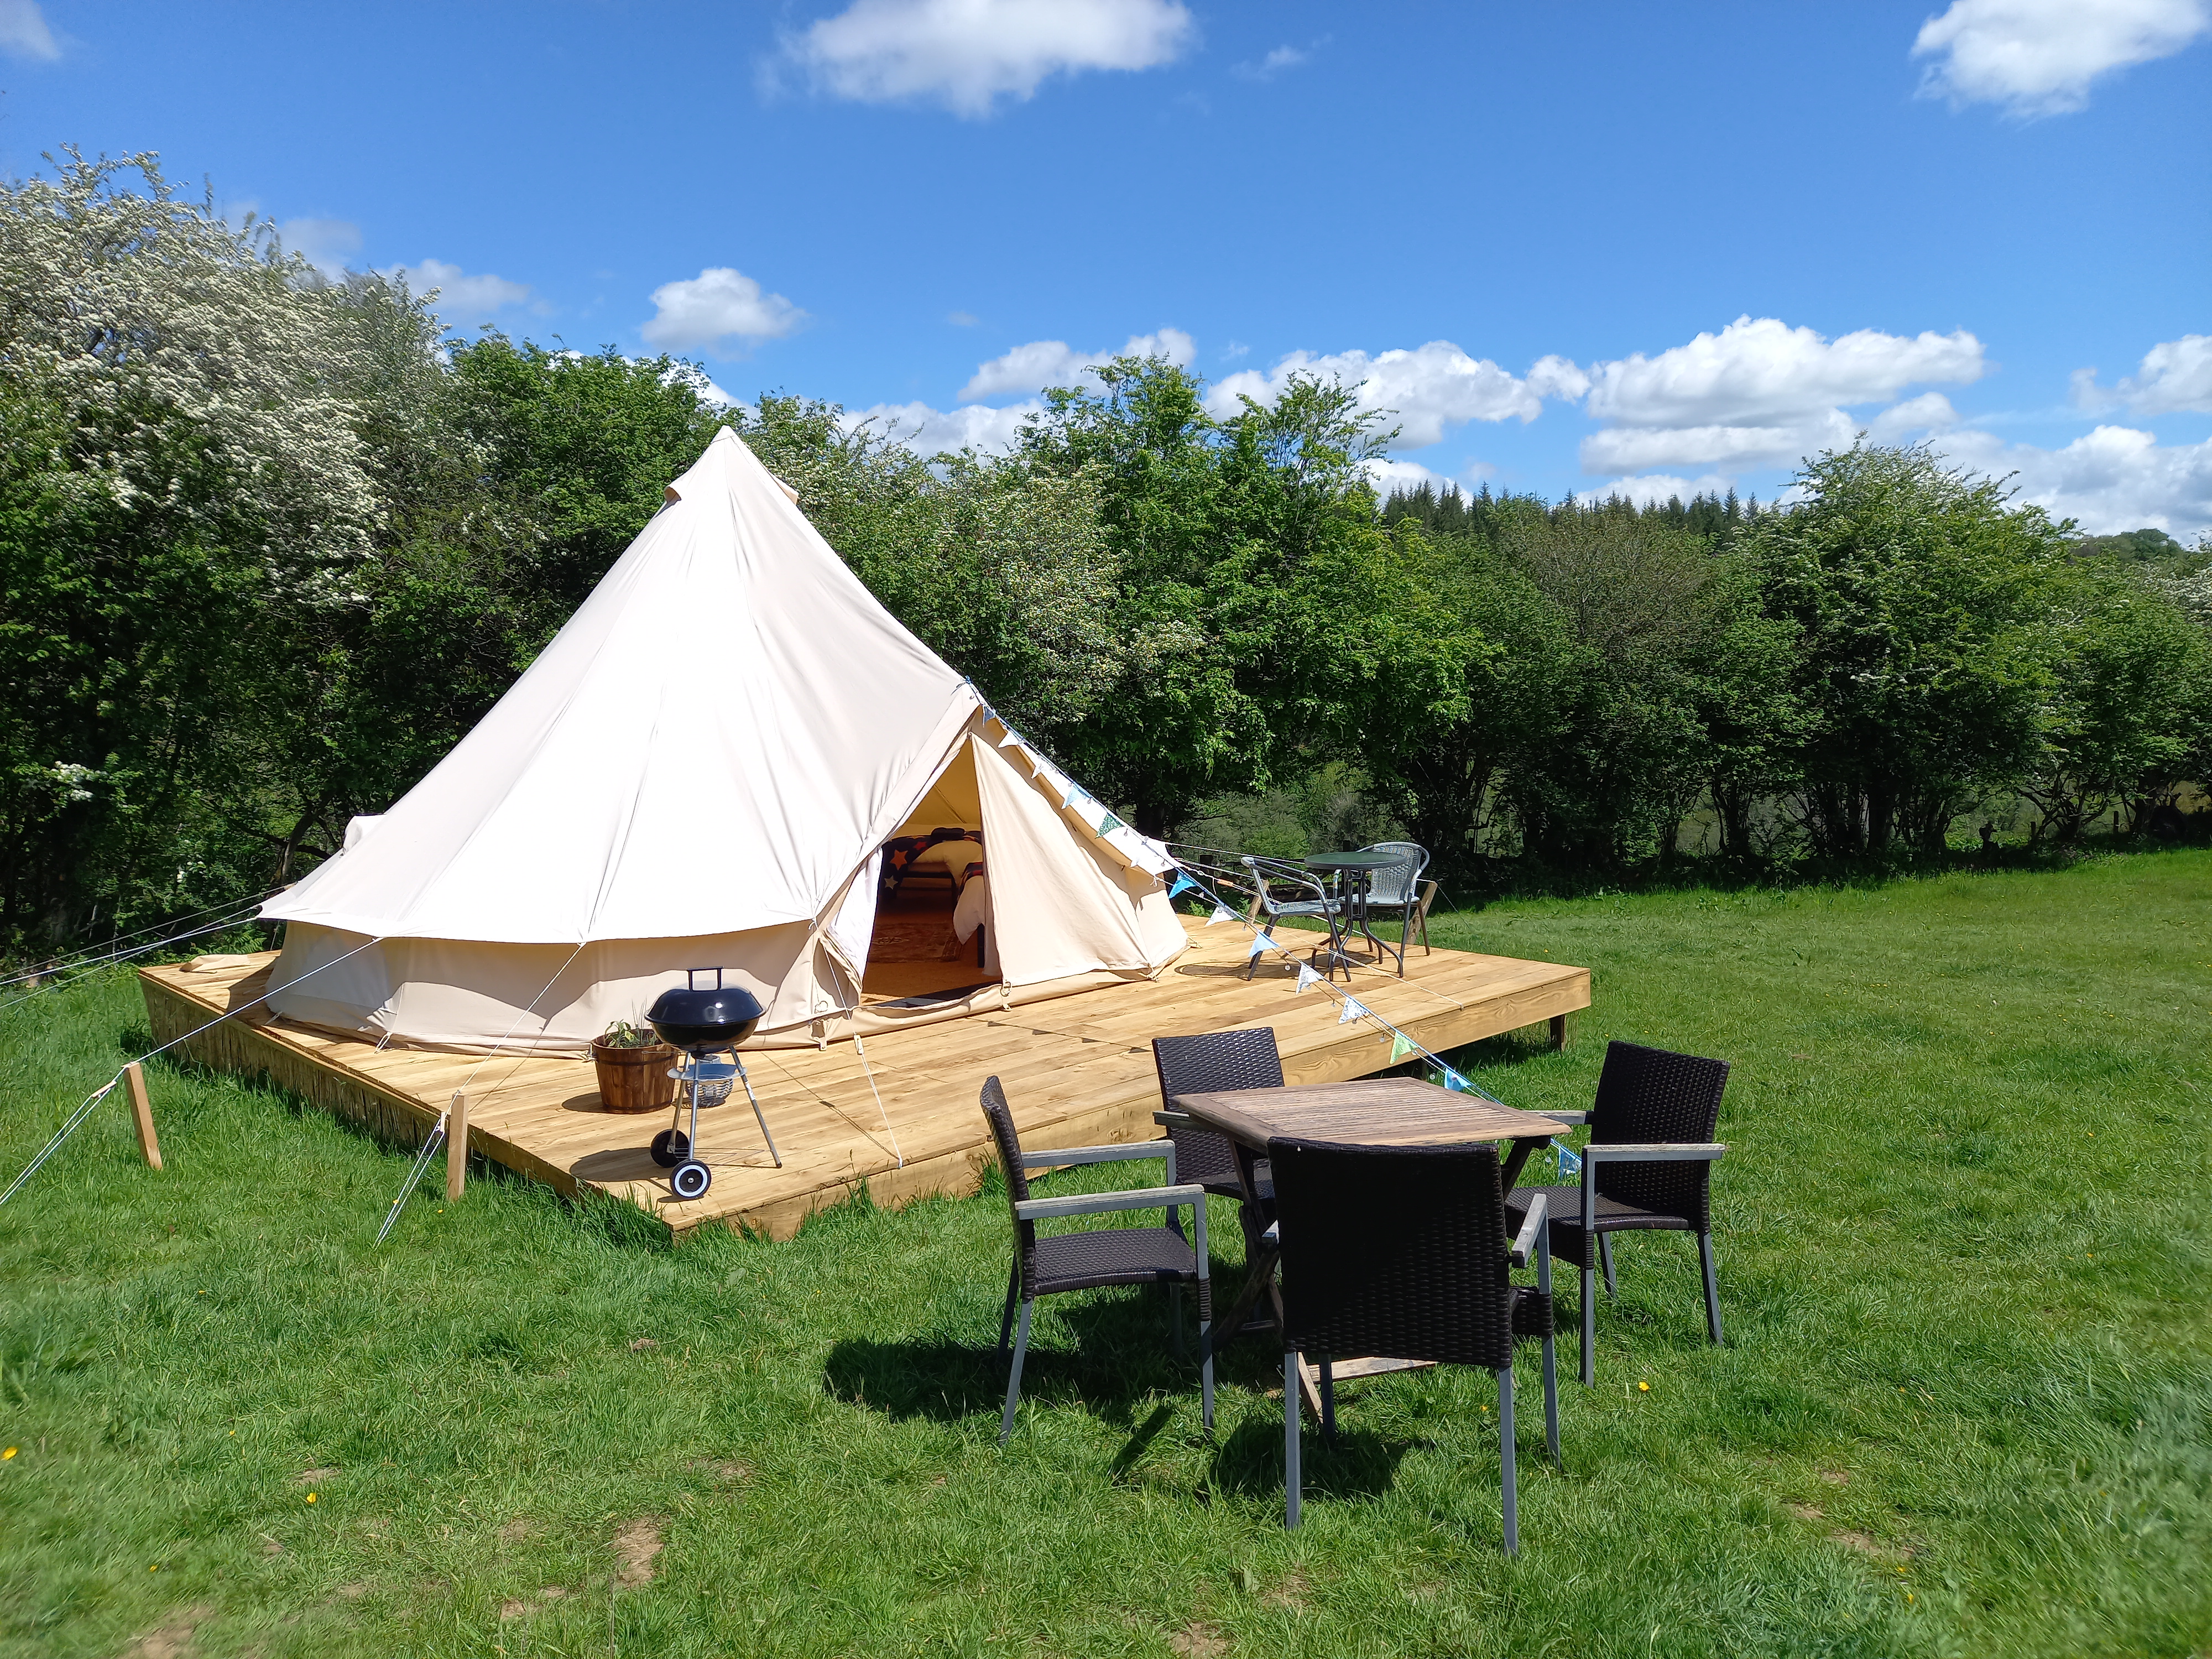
{"points": [[635, 1080]]}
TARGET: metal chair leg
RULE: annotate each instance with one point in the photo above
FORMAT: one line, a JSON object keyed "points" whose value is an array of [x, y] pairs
{"points": [[1589, 1330], [1014, 1377], [1712, 1288], [1551, 1346], [1605, 1255], [1291, 1475], [1506, 1477], [1204, 1369], [1014, 1289]]}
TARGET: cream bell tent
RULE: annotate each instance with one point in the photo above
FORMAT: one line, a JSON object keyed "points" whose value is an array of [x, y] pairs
{"points": [[701, 769]]}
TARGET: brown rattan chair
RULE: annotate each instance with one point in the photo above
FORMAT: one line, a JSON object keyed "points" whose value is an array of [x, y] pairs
{"points": [[1056, 1263], [1400, 1253], [1648, 1168]]}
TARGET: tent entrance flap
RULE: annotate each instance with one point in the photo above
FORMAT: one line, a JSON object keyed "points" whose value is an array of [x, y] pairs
{"points": [[932, 915]]}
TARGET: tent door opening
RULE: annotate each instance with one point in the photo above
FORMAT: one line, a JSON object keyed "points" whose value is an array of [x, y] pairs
{"points": [[934, 932]]}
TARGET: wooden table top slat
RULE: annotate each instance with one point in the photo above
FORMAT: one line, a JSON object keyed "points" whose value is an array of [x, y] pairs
{"points": [[1380, 1111]]}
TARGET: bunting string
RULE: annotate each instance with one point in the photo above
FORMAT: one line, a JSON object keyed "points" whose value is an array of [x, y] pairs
{"points": [[1403, 1044]]}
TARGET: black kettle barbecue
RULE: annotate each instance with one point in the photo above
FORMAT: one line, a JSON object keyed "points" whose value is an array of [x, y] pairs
{"points": [[703, 1020]]}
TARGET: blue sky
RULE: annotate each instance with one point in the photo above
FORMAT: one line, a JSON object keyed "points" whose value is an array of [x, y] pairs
{"points": [[1576, 248]]}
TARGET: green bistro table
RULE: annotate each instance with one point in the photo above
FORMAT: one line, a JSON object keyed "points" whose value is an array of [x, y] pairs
{"points": [[1355, 874]]}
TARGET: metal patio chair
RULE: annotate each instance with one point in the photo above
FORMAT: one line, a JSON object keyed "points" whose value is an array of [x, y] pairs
{"points": [[1648, 1168], [1400, 887], [1282, 888], [1401, 1253], [1055, 1263]]}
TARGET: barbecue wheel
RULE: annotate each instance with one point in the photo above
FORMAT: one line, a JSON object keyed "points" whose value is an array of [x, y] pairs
{"points": [[670, 1147], [691, 1179]]}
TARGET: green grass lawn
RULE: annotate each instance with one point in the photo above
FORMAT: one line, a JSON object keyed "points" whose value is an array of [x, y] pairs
{"points": [[1965, 1406]]}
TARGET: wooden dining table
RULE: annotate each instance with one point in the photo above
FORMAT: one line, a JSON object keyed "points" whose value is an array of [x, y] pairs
{"points": [[1380, 1112]]}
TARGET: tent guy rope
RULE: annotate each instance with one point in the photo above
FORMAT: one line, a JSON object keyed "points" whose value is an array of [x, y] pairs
{"points": [[437, 1135], [84, 1110]]}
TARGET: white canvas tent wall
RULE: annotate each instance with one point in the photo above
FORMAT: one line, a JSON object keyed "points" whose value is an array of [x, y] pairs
{"points": [[700, 770]]}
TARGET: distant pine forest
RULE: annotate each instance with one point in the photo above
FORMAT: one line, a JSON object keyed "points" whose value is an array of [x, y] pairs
{"points": [[270, 542]]}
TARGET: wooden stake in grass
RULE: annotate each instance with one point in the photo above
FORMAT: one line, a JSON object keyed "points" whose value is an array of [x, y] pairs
{"points": [[457, 1146], [141, 1115]]}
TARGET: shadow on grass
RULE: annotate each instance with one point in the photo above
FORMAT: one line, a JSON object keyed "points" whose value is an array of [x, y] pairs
{"points": [[1108, 1354], [1356, 1463]]}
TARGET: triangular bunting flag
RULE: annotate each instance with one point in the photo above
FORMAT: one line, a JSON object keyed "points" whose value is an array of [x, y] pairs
{"points": [[1571, 1162], [1011, 739], [1306, 976], [1400, 1046], [1453, 1081], [1221, 913], [1108, 824], [1260, 942], [1352, 1011], [1181, 884], [1071, 798]]}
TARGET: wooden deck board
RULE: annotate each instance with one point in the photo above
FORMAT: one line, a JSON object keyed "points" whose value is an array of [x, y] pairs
{"points": [[1078, 1071]]}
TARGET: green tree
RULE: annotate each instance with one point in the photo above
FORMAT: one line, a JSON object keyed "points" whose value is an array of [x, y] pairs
{"points": [[1922, 599], [179, 465], [1629, 759], [1244, 549], [2129, 696]]}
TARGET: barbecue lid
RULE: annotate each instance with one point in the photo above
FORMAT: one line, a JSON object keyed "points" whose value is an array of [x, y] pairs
{"points": [[698, 1016]]}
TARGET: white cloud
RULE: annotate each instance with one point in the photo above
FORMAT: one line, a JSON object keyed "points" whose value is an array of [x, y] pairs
{"points": [[1931, 412], [2039, 56], [23, 31], [1267, 67], [1431, 388], [461, 297], [1764, 369], [1758, 393], [718, 304], [968, 54], [323, 243], [962, 319], [2114, 478], [1656, 487], [927, 431], [1559, 377], [1632, 448], [1042, 364], [2175, 375]]}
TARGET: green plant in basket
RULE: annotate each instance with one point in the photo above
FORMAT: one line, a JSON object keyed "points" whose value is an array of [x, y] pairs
{"points": [[628, 1034]]}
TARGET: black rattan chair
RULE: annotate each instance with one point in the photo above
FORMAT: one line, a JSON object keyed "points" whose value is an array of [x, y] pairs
{"points": [[1400, 1253], [1200, 1065], [1648, 1168], [1052, 1265]]}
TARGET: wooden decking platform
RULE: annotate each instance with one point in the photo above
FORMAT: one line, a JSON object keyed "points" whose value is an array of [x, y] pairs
{"points": [[1078, 1071]]}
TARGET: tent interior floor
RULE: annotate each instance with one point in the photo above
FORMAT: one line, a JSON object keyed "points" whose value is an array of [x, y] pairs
{"points": [[1078, 1070]]}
